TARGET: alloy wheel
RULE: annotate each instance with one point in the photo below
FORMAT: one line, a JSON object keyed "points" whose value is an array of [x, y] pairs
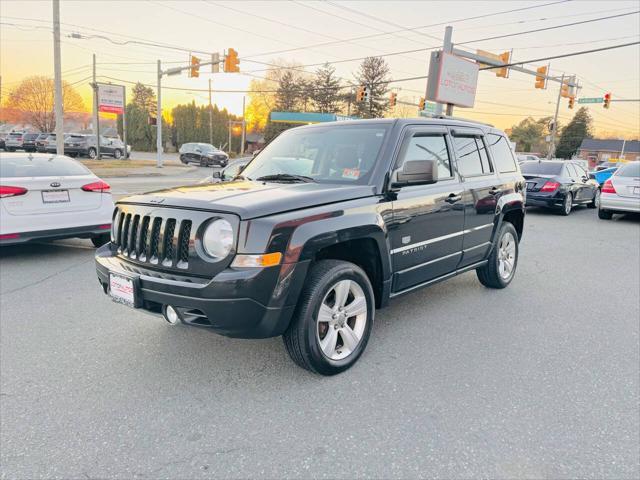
{"points": [[567, 204], [506, 256], [341, 319], [596, 198]]}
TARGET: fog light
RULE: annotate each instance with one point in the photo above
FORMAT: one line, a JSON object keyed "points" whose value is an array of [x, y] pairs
{"points": [[171, 315]]}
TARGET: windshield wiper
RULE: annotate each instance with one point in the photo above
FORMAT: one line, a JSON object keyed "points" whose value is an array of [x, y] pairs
{"points": [[285, 177]]}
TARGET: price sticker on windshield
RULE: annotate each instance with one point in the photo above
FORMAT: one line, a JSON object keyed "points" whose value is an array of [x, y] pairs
{"points": [[351, 173]]}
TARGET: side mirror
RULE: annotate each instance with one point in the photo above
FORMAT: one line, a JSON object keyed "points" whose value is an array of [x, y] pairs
{"points": [[217, 174], [417, 172]]}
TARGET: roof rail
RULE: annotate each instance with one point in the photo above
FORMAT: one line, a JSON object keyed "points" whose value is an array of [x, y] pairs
{"points": [[446, 117]]}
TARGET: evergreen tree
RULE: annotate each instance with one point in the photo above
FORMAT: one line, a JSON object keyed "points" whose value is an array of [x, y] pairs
{"points": [[579, 128], [326, 93], [373, 74], [529, 135], [145, 98], [288, 94]]}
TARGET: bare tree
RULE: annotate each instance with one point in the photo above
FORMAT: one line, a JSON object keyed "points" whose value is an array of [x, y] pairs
{"points": [[34, 98]]}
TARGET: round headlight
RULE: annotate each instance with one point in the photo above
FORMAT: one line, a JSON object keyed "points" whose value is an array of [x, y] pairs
{"points": [[218, 238]]}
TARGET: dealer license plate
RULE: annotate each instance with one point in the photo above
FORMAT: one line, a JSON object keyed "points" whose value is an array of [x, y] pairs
{"points": [[55, 196], [122, 290]]}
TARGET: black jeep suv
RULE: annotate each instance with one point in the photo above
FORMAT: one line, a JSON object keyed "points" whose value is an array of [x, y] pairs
{"points": [[321, 228]]}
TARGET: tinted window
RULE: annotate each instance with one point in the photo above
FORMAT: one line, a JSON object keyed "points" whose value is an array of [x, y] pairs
{"points": [[571, 171], [484, 158], [581, 171], [470, 161], [424, 146], [541, 168], [501, 153], [44, 166], [31, 136], [629, 170], [331, 154]]}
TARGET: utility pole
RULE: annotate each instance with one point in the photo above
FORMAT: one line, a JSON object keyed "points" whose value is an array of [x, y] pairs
{"points": [[58, 79], [124, 122], [96, 114], [244, 127], [554, 130], [448, 48], [210, 116], [229, 145], [159, 119]]}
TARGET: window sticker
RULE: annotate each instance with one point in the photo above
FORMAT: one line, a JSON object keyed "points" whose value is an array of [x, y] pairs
{"points": [[352, 173]]}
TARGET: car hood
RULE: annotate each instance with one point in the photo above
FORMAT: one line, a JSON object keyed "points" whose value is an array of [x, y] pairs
{"points": [[251, 199]]}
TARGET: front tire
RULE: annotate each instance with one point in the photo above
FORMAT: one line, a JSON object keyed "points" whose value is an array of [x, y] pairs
{"points": [[333, 319], [117, 154], [501, 267], [93, 153], [100, 240], [595, 203]]}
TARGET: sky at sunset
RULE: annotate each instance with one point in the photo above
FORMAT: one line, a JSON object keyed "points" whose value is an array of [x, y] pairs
{"points": [[311, 32]]}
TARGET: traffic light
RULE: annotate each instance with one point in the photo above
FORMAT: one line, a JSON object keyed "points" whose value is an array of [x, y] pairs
{"points": [[607, 100], [541, 77], [393, 99], [362, 94], [194, 72], [231, 61], [504, 71], [564, 90], [572, 101], [421, 103]]}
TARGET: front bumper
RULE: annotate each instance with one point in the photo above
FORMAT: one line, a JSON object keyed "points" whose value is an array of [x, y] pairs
{"points": [[60, 233], [609, 201], [242, 303]]}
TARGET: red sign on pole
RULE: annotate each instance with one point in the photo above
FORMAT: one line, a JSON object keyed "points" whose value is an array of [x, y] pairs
{"points": [[111, 98]]}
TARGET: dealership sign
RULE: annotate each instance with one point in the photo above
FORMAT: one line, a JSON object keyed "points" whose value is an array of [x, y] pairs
{"points": [[110, 98], [452, 79]]}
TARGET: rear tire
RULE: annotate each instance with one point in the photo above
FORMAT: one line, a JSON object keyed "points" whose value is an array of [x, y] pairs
{"points": [[333, 290], [93, 153], [100, 240], [567, 205], [117, 154], [503, 256], [595, 203], [605, 214]]}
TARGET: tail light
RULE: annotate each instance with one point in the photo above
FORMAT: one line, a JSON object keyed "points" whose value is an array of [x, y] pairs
{"points": [[8, 191], [98, 186], [608, 187], [550, 186]]}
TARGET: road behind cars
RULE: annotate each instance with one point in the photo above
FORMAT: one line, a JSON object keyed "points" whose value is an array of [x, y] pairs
{"points": [[539, 380]]}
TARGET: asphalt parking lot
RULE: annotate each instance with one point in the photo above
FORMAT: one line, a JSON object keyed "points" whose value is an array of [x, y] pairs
{"points": [[536, 381]]}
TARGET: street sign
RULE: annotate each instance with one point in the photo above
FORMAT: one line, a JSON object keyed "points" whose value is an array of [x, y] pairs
{"points": [[452, 80], [111, 98], [428, 111], [590, 100]]}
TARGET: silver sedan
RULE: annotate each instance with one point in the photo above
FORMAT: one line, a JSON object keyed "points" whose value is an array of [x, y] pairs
{"points": [[621, 192]]}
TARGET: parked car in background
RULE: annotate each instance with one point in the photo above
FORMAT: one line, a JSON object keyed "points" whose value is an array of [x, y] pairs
{"points": [[3, 137], [41, 142], [204, 154], [76, 144], [14, 141], [111, 147], [230, 172], [50, 144], [559, 185], [527, 157], [29, 142], [621, 192], [45, 196]]}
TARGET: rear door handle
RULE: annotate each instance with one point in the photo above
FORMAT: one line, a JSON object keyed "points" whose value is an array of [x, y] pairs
{"points": [[495, 191], [453, 198]]}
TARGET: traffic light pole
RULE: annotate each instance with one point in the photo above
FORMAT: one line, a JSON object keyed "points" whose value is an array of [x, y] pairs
{"points": [[159, 119], [244, 127], [210, 116], [554, 130], [57, 79], [96, 113]]}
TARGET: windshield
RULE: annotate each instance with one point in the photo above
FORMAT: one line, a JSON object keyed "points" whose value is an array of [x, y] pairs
{"points": [[40, 166], [541, 168], [332, 154], [629, 170]]}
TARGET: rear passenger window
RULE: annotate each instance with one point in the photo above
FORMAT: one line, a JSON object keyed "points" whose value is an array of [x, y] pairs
{"points": [[424, 146], [502, 154], [472, 157]]}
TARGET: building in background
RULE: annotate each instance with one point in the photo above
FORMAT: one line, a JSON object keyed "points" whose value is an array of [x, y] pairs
{"points": [[597, 151]]}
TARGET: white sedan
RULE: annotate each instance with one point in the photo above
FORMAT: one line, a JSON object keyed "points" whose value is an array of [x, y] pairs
{"points": [[621, 192], [46, 196]]}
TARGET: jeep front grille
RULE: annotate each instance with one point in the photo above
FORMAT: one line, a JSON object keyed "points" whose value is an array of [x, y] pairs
{"points": [[153, 239]]}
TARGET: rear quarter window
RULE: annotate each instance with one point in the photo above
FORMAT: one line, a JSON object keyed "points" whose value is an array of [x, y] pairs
{"points": [[501, 153]]}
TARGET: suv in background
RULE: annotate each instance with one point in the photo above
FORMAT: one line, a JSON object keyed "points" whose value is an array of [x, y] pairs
{"points": [[14, 141], [328, 223], [112, 147], [75, 144], [29, 141], [41, 142], [204, 154]]}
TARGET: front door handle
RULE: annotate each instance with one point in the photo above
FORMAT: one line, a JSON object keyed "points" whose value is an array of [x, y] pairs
{"points": [[495, 191], [453, 198]]}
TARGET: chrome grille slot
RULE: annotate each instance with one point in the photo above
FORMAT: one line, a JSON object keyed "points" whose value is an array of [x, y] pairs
{"points": [[183, 244], [124, 238], [154, 240], [133, 235], [118, 232], [168, 247], [143, 237]]}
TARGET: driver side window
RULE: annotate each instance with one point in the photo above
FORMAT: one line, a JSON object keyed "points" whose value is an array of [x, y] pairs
{"points": [[428, 146]]}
